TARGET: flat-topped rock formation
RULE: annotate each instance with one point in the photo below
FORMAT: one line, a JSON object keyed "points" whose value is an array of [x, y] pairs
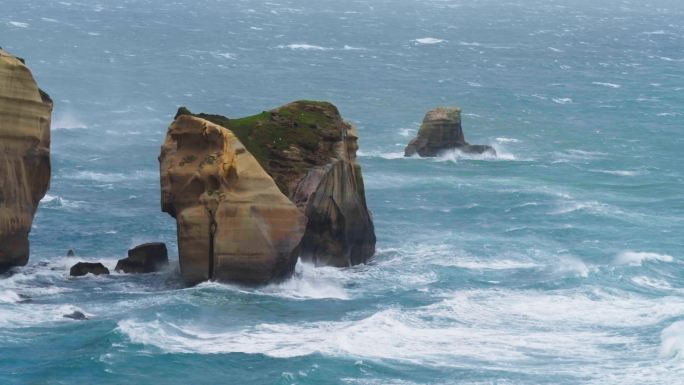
{"points": [[441, 130], [233, 222], [303, 149], [310, 152], [25, 113]]}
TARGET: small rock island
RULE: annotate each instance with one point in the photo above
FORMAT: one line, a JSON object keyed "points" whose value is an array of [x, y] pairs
{"points": [[441, 131], [25, 112], [251, 195]]}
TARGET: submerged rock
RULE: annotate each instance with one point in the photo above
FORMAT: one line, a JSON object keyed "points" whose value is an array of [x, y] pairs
{"points": [[76, 315], [24, 157], [441, 130], [310, 152], [145, 258], [83, 268], [233, 223]]}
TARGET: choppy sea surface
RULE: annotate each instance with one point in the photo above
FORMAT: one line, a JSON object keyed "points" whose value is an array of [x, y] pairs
{"points": [[560, 261]]}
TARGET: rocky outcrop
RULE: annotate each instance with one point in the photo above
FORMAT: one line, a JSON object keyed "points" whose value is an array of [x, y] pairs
{"points": [[441, 130], [310, 152], [83, 268], [233, 223], [24, 157], [145, 258]]}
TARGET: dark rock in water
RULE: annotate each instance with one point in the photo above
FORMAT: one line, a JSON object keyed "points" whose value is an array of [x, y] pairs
{"points": [[77, 315], [83, 268], [70, 253], [441, 130], [146, 258]]}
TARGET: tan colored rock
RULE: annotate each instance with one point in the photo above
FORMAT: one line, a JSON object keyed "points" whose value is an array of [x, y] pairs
{"points": [[441, 130], [233, 222], [310, 151], [24, 156]]}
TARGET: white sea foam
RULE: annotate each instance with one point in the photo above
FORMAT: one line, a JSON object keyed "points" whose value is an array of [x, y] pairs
{"points": [[469, 328], [672, 341], [562, 100], [9, 296], [380, 154], [310, 282], [67, 121], [18, 24], [649, 282], [636, 258], [54, 201], [618, 172], [455, 155], [507, 140], [111, 177], [428, 40], [352, 48], [304, 47], [223, 55], [555, 49], [610, 85], [406, 132]]}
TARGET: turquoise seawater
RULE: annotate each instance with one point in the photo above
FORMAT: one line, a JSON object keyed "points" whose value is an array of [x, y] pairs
{"points": [[560, 261]]}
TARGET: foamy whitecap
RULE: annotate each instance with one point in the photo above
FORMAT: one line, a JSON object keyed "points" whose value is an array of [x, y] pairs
{"points": [[304, 47], [562, 100], [507, 140], [470, 328], [672, 341], [649, 282], [18, 24], [112, 177], [54, 201], [609, 85], [310, 282], [429, 40], [380, 154], [618, 172], [636, 258], [455, 155], [67, 121]]}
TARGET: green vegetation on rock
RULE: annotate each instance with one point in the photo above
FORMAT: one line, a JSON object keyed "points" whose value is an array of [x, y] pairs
{"points": [[269, 136]]}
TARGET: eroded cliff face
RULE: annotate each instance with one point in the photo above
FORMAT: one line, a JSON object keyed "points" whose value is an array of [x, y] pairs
{"points": [[310, 152], [441, 130], [24, 157], [233, 222]]}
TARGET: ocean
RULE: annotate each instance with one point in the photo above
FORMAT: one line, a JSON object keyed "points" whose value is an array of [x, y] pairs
{"points": [[559, 261]]}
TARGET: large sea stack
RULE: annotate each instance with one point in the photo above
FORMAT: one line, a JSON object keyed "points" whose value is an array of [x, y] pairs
{"points": [[441, 130], [24, 156], [305, 155]]}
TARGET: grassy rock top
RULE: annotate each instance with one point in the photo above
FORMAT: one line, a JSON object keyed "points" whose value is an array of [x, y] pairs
{"points": [[289, 140]]}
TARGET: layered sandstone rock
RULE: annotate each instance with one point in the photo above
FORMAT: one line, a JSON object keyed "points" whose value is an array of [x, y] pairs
{"points": [[441, 130], [233, 223], [310, 152], [24, 156]]}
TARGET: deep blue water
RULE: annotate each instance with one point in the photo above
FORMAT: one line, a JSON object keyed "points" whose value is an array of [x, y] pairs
{"points": [[561, 261]]}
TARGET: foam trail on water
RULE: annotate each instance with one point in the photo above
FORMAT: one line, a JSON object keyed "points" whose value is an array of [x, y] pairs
{"points": [[636, 258]]}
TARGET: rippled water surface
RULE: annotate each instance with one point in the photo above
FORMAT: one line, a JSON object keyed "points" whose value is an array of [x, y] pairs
{"points": [[560, 261]]}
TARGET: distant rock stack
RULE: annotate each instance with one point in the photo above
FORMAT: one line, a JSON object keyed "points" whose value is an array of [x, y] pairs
{"points": [[441, 130], [300, 156], [25, 112]]}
